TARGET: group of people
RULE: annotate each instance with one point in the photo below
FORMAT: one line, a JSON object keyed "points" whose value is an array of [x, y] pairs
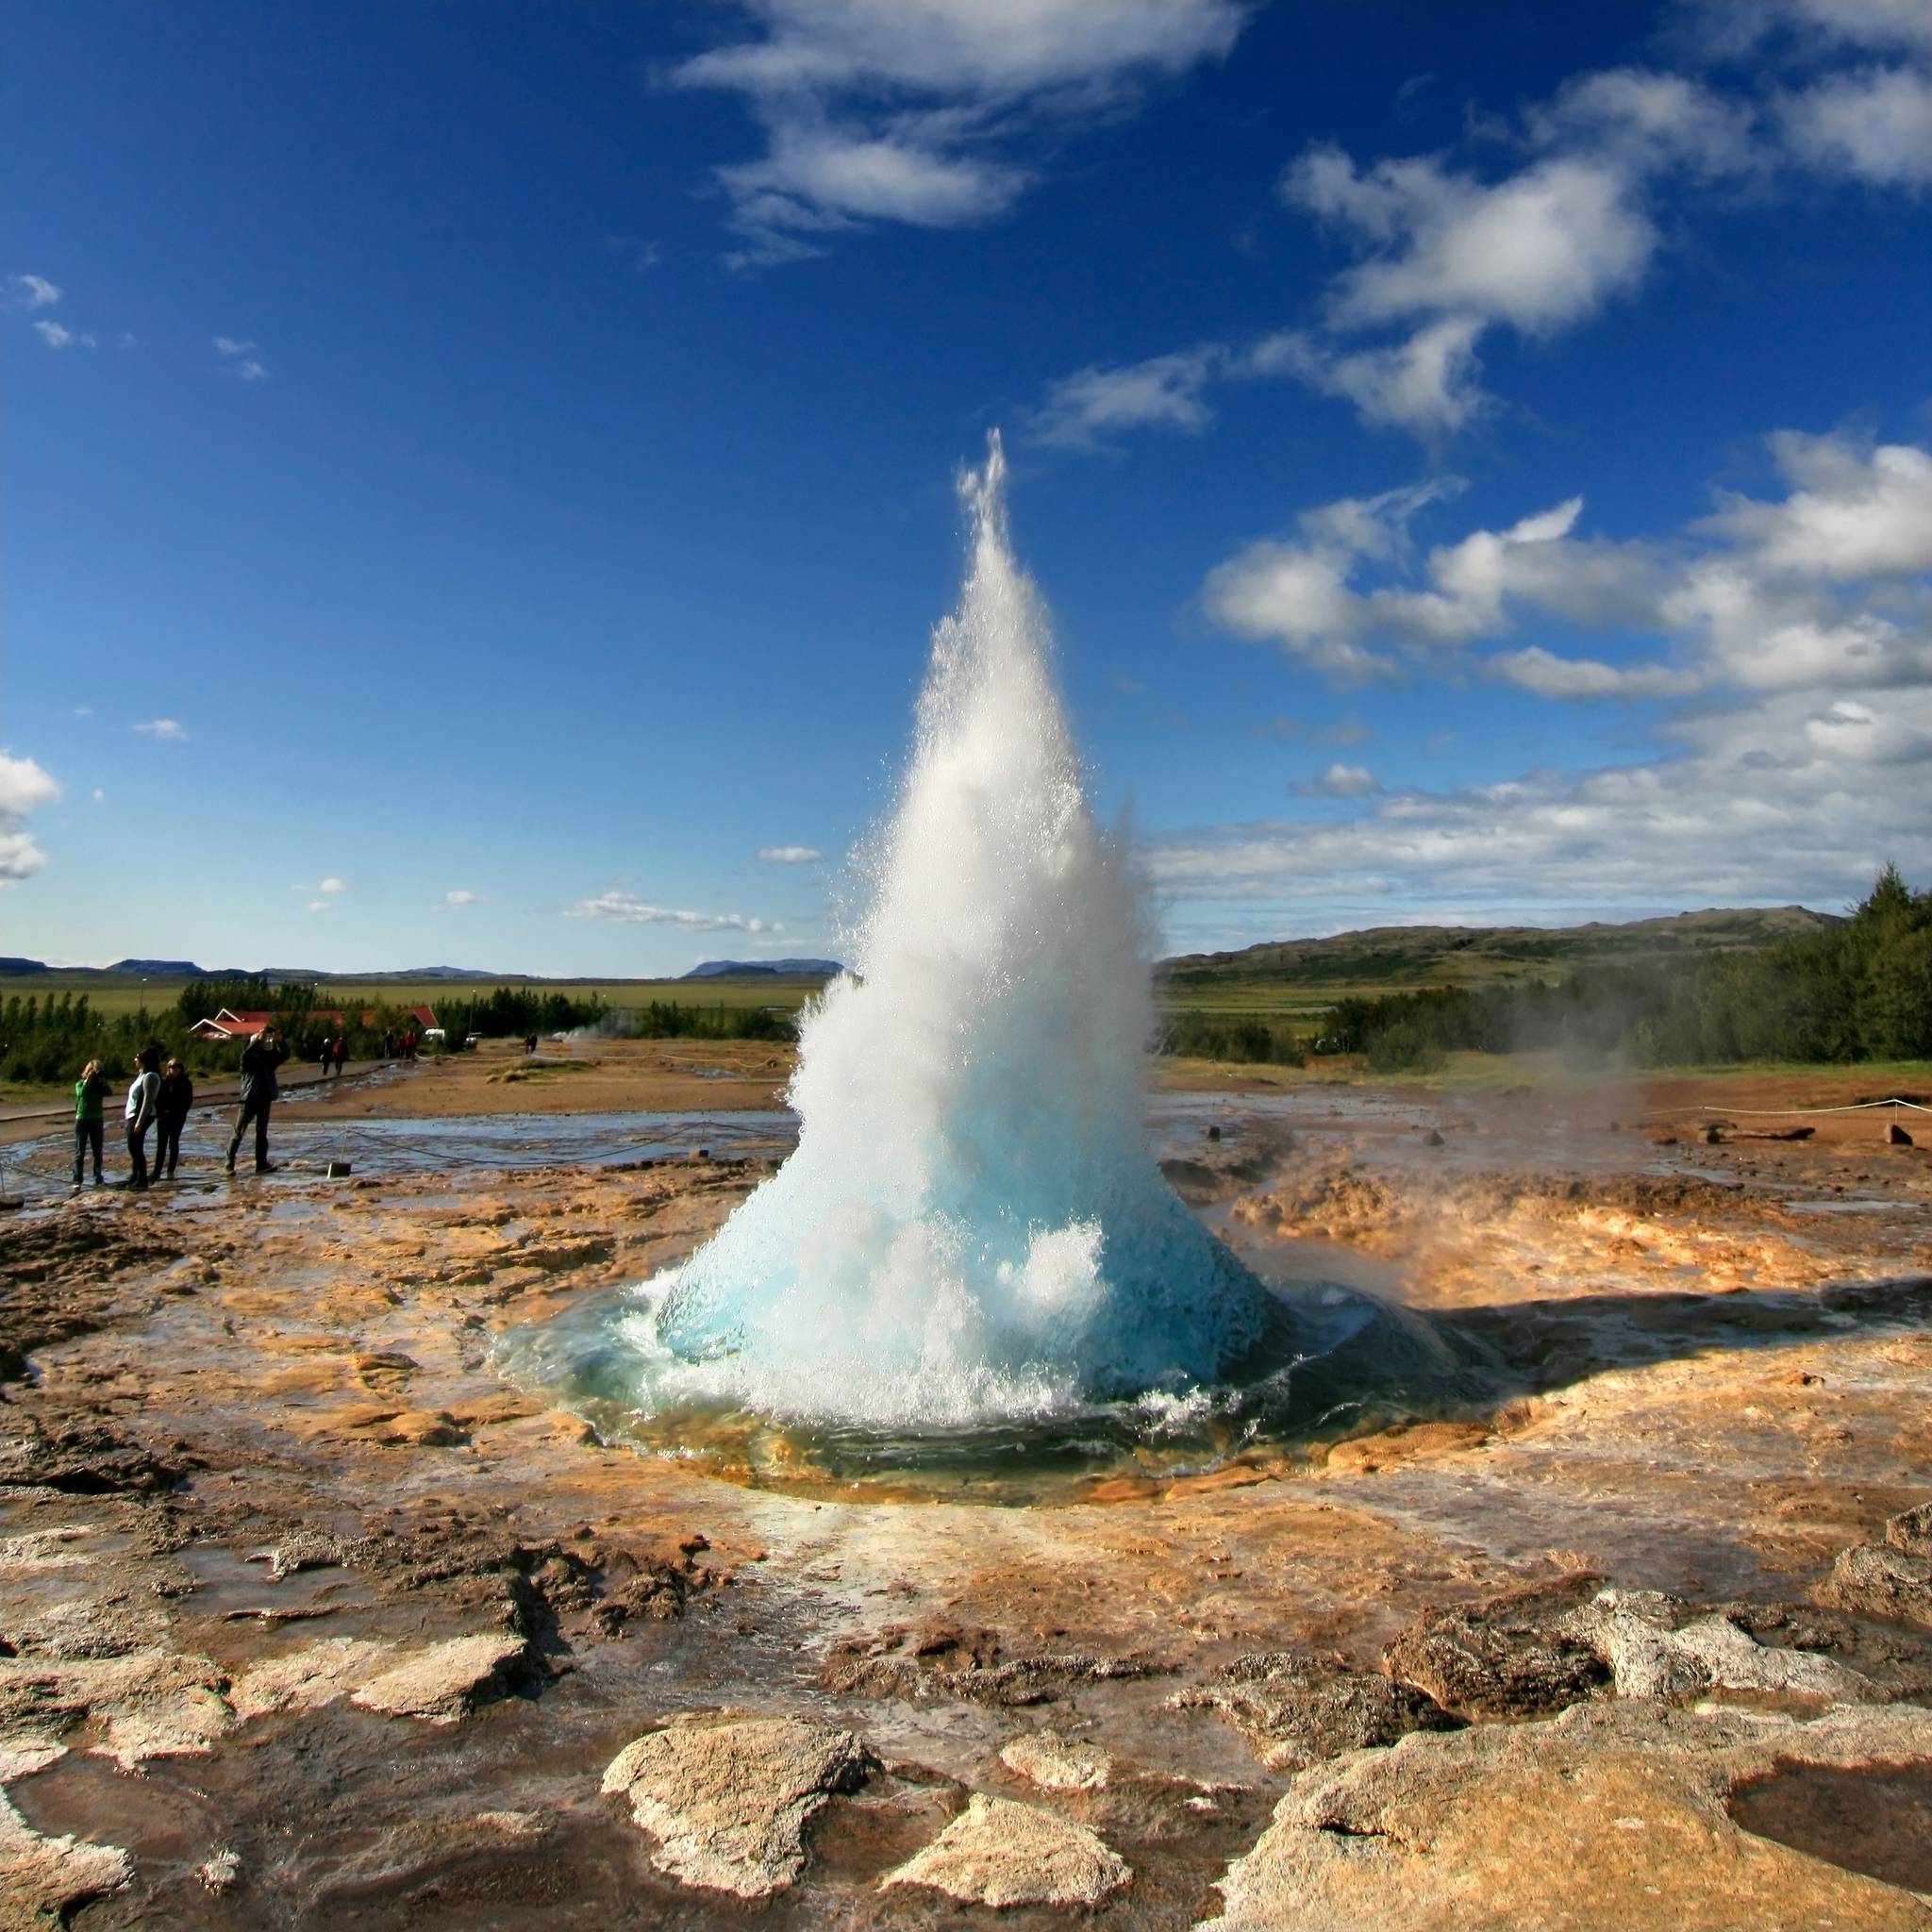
{"points": [[160, 1098], [333, 1053]]}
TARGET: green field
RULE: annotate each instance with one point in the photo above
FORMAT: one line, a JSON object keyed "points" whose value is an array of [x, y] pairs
{"points": [[118, 993]]}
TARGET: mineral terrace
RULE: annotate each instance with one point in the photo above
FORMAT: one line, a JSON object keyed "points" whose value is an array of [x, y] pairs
{"points": [[308, 1618]]}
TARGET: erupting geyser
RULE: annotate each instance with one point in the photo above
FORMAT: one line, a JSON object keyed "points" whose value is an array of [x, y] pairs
{"points": [[973, 1226]]}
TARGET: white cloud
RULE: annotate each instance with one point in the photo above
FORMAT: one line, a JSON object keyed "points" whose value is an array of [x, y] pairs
{"points": [[1824, 589], [1083, 409], [1426, 384], [1735, 26], [1853, 512], [30, 291], [23, 787], [100, 796], [921, 111], [1552, 676], [626, 909], [57, 336], [791, 855], [320, 904], [231, 345], [1800, 623], [1875, 124], [1537, 250], [460, 896], [169, 730], [1302, 591], [1340, 781], [332, 887]]}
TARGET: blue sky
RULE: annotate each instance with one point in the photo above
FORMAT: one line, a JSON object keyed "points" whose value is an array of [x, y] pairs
{"points": [[480, 477]]}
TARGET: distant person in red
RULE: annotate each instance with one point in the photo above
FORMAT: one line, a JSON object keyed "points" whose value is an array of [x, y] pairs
{"points": [[171, 1115], [143, 1100], [342, 1052], [259, 1059]]}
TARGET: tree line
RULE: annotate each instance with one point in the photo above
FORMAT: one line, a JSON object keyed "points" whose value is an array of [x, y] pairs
{"points": [[1858, 990]]}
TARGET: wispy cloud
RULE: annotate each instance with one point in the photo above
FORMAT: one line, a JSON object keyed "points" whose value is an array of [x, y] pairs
{"points": [[1339, 781], [320, 904], [170, 731], [791, 855], [332, 887], [239, 359], [28, 291], [927, 112], [626, 909], [57, 336], [25, 787], [458, 896]]}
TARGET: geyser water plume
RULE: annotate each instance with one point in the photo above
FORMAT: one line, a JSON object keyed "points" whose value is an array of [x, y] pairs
{"points": [[973, 1226]]}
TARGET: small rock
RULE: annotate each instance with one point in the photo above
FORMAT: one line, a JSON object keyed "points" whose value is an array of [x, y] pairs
{"points": [[1896, 1136], [1295, 1709], [217, 1874], [1057, 1764], [728, 1801], [998, 1853], [447, 1680], [307, 1549], [1433, 1139]]}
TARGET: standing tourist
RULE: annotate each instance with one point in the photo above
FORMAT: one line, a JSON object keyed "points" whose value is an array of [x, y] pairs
{"points": [[88, 1091], [329, 1047], [342, 1052], [259, 1059], [171, 1115], [143, 1101]]}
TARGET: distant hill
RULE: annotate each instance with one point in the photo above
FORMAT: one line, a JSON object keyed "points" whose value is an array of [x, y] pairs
{"points": [[1409, 955], [765, 969], [19, 966], [158, 969]]}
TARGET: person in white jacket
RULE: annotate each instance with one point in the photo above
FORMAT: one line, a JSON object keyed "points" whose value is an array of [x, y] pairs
{"points": [[143, 1099]]}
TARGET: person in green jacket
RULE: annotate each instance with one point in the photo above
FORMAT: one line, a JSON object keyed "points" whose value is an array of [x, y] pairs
{"points": [[88, 1091]]}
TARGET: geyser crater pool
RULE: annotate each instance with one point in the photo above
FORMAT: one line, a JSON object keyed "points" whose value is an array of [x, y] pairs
{"points": [[972, 1254]]}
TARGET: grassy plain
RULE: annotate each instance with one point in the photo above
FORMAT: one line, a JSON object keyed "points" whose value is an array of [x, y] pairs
{"points": [[126, 992]]}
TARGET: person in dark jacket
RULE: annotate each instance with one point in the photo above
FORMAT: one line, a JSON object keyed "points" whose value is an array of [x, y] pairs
{"points": [[259, 1059], [143, 1099], [171, 1116], [88, 1091]]}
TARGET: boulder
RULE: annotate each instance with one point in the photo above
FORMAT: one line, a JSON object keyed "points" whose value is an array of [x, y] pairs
{"points": [[998, 1853], [446, 1680], [1614, 1814], [1511, 1656], [728, 1801]]}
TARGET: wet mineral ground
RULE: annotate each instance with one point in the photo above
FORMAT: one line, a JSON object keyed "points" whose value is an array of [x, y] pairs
{"points": [[311, 1616]]}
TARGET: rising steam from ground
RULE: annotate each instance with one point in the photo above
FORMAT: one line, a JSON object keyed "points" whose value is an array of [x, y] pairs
{"points": [[973, 1226]]}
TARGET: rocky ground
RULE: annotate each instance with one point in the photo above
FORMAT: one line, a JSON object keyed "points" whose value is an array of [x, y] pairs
{"points": [[308, 1618]]}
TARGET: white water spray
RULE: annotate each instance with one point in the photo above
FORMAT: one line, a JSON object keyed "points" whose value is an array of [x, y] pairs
{"points": [[971, 1225]]}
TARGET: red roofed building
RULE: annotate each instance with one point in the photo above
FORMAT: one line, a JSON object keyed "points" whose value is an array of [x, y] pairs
{"points": [[230, 1024]]}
